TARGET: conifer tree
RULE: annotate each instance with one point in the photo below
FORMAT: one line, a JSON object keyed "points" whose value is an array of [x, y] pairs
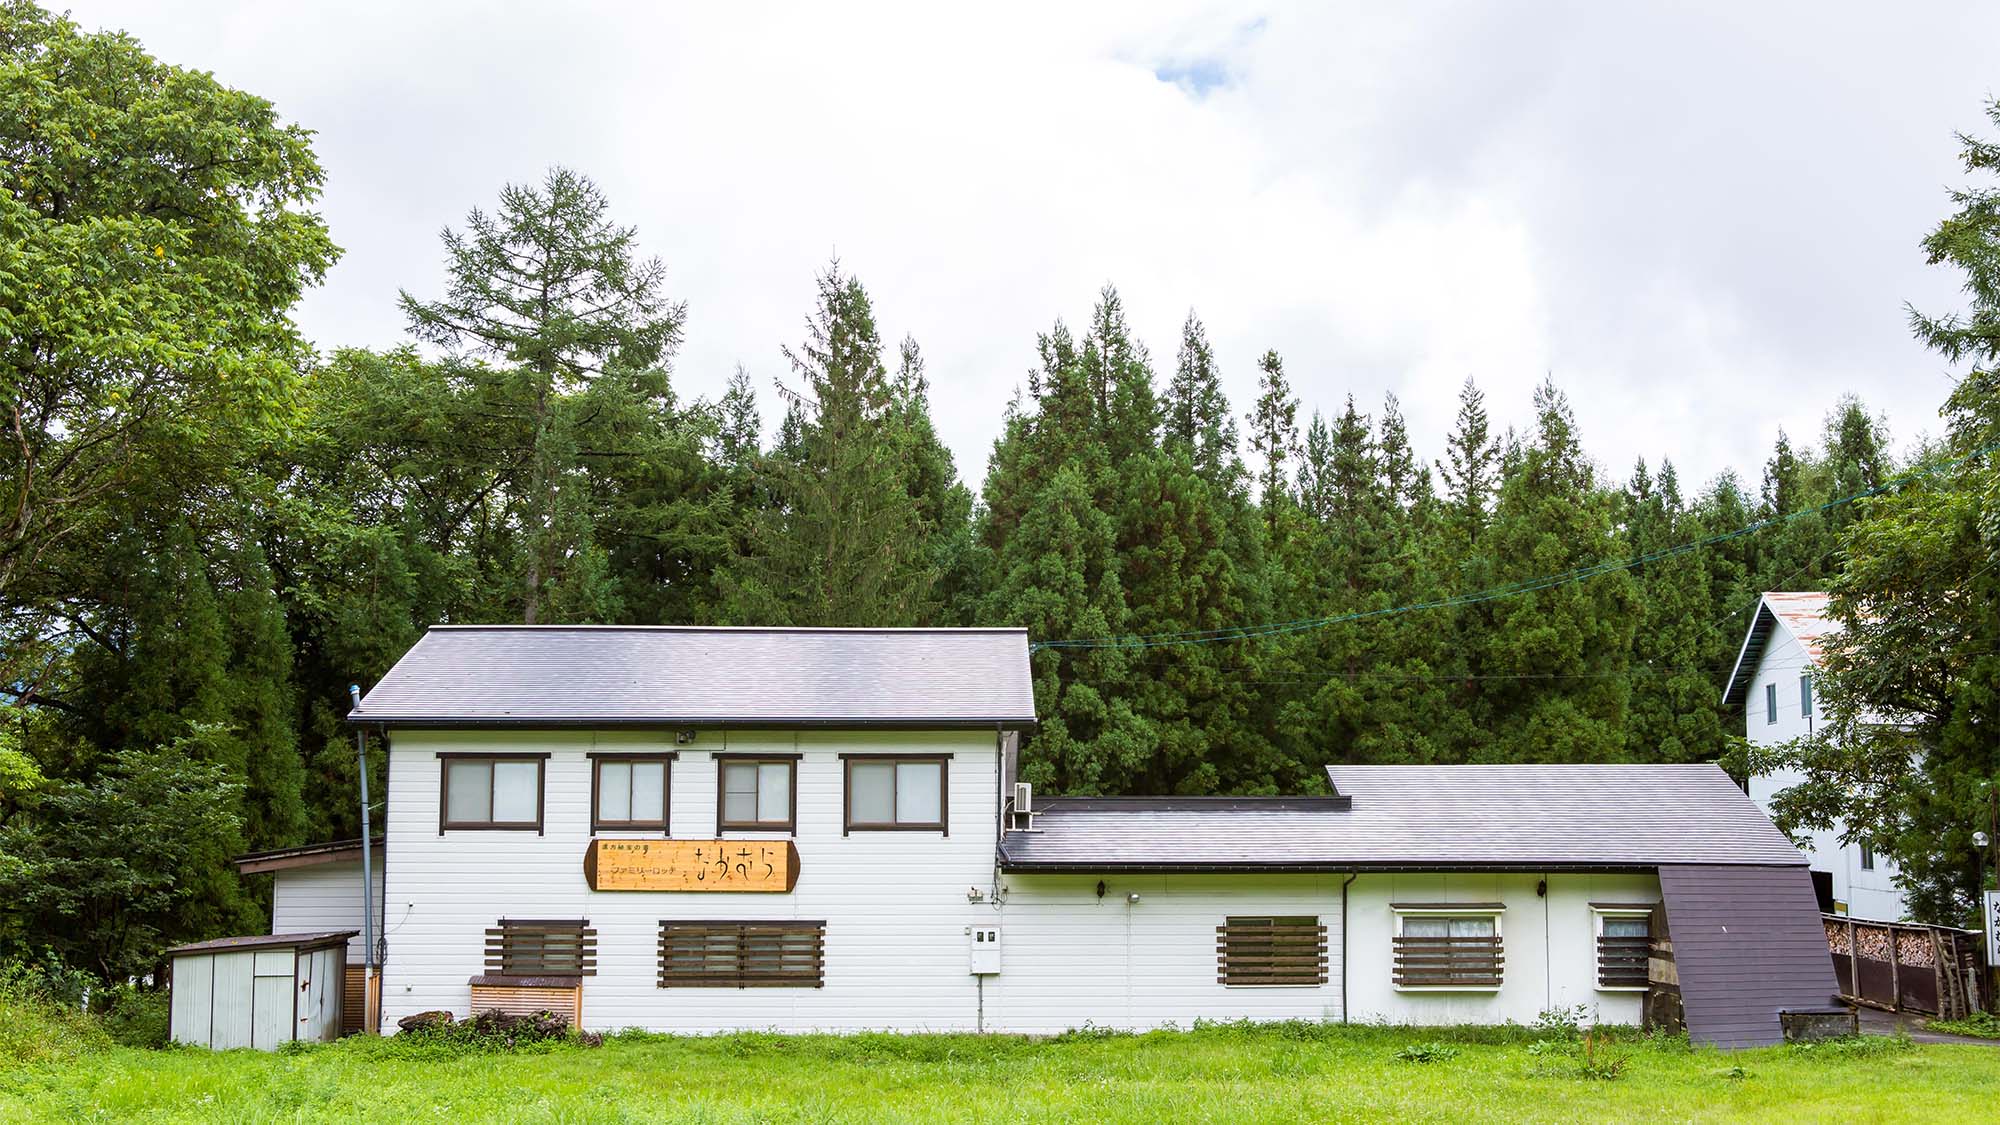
{"points": [[1274, 435], [1468, 469], [843, 541], [1560, 653], [1196, 410], [571, 334], [1672, 716]]}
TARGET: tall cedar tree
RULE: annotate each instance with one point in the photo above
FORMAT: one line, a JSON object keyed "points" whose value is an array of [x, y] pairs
{"points": [[856, 485], [1558, 657]]}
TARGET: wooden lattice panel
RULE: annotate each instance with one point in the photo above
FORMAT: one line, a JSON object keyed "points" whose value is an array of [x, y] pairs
{"points": [[516, 1000], [742, 954], [1270, 953]]}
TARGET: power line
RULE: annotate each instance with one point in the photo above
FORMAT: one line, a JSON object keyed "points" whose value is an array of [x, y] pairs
{"points": [[1497, 593]]}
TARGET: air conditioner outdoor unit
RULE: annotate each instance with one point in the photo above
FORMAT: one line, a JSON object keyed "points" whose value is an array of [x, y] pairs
{"points": [[1022, 818]]}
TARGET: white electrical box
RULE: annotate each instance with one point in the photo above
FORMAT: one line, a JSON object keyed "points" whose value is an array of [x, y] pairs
{"points": [[983, 946]]}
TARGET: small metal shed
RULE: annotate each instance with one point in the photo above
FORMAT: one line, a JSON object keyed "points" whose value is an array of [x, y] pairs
{"points": [[258, 991]]}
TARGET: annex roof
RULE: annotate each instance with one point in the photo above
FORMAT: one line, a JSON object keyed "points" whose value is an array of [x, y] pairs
{"points": [[1803, 614], [314, 940], [1478, 817], [304, 855], [548, 675]]}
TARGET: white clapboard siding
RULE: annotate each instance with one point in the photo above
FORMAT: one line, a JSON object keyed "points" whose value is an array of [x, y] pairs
{"points": [[1549, 943], [1869, 892], [1070, 958], [895, 904], [324, 896]]}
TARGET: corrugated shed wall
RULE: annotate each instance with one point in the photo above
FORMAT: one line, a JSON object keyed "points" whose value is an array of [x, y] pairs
{"points": [[1748, 944]]}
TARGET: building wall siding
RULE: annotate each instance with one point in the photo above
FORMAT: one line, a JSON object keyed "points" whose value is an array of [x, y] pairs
{"points": [[1866, 893], [897, 911], [1549, 942], [1070, 958], [895, 903], [324, 896]]}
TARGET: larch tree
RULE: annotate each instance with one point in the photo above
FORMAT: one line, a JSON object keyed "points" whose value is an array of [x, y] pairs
{"points": [[550, 303]]}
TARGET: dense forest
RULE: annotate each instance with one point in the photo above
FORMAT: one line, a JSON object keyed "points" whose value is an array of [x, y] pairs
{"points": [[213, 525]]}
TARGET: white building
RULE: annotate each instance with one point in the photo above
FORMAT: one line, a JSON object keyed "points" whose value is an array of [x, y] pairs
{"points": [[696, 830], [1772, 682]]}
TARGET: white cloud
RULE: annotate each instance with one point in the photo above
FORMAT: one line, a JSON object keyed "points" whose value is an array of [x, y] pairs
{"points": [[1703, 223]]}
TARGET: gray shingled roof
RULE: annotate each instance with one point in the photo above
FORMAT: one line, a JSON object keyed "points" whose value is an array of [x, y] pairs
{"points": [[1528, 817], [548, 675]]}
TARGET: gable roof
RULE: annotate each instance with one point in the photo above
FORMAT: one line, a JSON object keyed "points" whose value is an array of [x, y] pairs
{"points": [[1526, 817], [551, 676], [1803, 614]]}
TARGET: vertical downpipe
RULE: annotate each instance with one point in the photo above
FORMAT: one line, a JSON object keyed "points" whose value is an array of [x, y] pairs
{"points": [[367, 865], [1351, 877]]}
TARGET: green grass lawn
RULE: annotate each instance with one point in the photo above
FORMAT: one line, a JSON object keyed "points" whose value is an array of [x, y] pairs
{"points": [[1282, 1073]]}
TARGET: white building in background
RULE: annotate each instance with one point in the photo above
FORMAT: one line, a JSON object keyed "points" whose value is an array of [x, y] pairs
{"points": [[1772, 683], [697, 830]]}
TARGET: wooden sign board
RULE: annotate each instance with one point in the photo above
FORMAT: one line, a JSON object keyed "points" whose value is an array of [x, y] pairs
{"points": [[692, 865]]}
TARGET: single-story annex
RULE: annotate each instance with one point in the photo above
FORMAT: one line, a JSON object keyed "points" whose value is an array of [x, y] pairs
{"points": [[699, 829]]}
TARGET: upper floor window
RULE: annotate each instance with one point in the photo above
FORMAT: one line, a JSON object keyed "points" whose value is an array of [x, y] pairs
{"points": [[1770, 703], [629, 790], [757, 792], [1867, 858], [491, 791], [1805, 695], [891, 792]]}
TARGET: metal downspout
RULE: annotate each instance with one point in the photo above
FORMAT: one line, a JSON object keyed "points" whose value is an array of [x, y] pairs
{"points": [[1343, 945], [367, 865]]}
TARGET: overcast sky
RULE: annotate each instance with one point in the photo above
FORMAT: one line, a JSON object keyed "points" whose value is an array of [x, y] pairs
{"points": [[1703, 223]]}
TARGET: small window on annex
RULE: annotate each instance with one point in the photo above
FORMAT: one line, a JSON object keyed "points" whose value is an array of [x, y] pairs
{"points": [[1448, 947], [629, 791], [889, 793], [1805, 695], [502, 791], [756, 794], [1624, 945], [1770, 703]]}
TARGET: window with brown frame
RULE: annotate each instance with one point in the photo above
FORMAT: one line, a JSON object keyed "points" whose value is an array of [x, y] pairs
{"points": [[1624, 943], [1270, 951], [1459, 950], [542, 948], [757, 793], [501, 791], [897, 792], [630, 791], [780, 954]]}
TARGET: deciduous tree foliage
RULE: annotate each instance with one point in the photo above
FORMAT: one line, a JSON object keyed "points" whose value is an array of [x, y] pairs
{"points": [[1911, 684]]}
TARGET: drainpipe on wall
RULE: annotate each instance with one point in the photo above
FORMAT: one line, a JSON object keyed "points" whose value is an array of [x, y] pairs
{"points": [[368, 984], [1343, 945]]}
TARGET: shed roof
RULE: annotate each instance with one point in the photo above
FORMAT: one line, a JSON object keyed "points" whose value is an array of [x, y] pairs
{"points": [[1484, 817], [1802, 613], [305, 855], [527, 675], [265, 941], [1748, 944]]}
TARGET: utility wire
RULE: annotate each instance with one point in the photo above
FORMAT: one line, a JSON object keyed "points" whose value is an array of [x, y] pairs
{"points": [[1497, 593]]}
